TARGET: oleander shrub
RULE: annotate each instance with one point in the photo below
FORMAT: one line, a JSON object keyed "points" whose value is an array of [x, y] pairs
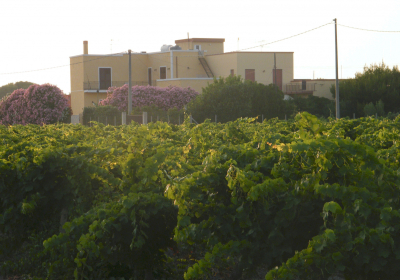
{"points": [[163, 98], [38, 104], [11, 107]]}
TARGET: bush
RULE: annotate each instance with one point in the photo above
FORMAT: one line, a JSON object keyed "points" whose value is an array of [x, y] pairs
{"points": [[318, 106], [39, 186], [39, 104], [232, 98], [104, 114], [66, 115], [142, 96], [369, 110], [377, 82], [380, 108], [11, 107], [9, 88], [119, 239]]}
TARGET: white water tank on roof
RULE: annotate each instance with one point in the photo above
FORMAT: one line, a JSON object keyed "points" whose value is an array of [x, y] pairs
{"points": [[165, 48]]}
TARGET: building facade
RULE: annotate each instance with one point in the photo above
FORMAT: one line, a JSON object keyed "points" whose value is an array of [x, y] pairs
{"points": [[307, 87], [192, 62]]}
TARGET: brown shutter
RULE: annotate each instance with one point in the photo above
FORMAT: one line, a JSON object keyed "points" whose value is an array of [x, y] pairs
{"points": [[163, 73], [105, 78], [149, 76], [250, 74], [278, 78]]}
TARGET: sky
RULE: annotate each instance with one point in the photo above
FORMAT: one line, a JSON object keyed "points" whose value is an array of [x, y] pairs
{"points": [[45, 33]]}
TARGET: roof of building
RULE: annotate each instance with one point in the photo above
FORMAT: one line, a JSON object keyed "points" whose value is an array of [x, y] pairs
{"points": [[245, 52], [316, 80], [205, 40]]}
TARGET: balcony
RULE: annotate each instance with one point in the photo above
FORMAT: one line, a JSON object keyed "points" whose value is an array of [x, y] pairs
{"points": [[95, 85], [299, 87]]}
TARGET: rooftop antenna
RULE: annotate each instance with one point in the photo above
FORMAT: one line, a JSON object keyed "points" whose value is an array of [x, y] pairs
{"points": [[262, 45], [188, 39], [111, 46], [238, 44]]}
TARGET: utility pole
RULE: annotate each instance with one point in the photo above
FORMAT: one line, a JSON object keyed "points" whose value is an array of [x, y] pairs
{"points": [[276, 87], [337, 74], [130, 85]]}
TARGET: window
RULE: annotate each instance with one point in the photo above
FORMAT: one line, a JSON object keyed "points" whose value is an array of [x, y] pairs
{"points": [[250, 74], [149, 76], [163, 72], [104, 78], [232, 72], [197, 47]]}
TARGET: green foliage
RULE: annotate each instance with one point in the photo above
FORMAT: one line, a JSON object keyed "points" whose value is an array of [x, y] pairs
{"points": [[104, 114], [369, 110], [380, 108], [154, 114], [9, 88], [118, 239], [377, 82], [318, 106], [306, 198], [232, 98]]}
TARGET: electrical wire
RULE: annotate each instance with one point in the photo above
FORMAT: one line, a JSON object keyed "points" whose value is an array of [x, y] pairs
{"points": [[28, 71], [103, 56], [108, 55], [371, 30], [286, 37]]}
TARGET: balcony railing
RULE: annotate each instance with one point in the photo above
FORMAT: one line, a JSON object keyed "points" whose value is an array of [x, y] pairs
{"points": [[95, 85], [299, 87]]}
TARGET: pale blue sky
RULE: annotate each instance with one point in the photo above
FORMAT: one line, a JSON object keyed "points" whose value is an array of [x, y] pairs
{"points": [[45, 33]]}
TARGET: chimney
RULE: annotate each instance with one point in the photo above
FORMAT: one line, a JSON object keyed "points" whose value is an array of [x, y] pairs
{"points": [[85, 47]]}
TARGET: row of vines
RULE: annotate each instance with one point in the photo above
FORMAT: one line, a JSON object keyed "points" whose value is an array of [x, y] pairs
{"points": [[301, 199]]}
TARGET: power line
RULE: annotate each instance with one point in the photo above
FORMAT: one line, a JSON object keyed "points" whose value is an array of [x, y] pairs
{"points": [[102, 56], [286, 37], [113, 54], [371, 30]]}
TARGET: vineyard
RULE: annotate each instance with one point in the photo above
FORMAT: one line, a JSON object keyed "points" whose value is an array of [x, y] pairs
{"points": [[299, 199]]}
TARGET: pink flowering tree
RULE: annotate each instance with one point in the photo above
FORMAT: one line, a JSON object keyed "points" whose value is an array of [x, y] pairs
{"points": [[10, 107], [39, 104], [149, 96]]}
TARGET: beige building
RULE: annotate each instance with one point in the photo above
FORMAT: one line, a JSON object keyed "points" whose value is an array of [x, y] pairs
{"points": [[191, 62], [307, 87]]}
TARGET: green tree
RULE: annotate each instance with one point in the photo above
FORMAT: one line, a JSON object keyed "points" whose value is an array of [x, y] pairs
{"points": [[319, 106], [232, 98], [369, 109], [9, 88], [380, 108], [377, 82]]}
